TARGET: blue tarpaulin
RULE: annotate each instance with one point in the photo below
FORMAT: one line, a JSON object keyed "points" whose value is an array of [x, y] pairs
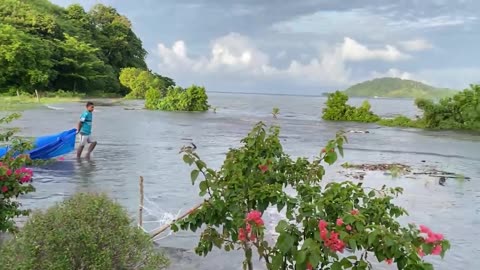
{"points": [[50, 146]]}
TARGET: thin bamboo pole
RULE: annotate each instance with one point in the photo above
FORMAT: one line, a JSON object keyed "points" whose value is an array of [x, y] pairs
{"points": [[166, 226], [140, 209]]}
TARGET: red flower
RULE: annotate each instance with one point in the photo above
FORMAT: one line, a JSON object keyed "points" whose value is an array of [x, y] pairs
{"points": [[4, 189], [324, 150], [322, 224], [9, 172], [242, 236], [255, 217], [425, 229], [263, 168], [354, 212], [348, 227], [437, 250], [339, 222], [389, 261], [309, 266]]}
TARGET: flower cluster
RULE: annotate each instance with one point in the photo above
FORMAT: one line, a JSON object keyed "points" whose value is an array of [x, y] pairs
{"points": [[330, 239], [253, 218], [19, 176], [431, 238]]}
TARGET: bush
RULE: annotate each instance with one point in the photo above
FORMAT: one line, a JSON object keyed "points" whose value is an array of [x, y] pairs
{"points": [[462, 111], [193, 98], [402, 121], [15, 178], [337, 109], [321, 221], [87, 231]]}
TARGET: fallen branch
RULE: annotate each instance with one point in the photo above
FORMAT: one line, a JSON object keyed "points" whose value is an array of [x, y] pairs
{"points": [[166, 226]]}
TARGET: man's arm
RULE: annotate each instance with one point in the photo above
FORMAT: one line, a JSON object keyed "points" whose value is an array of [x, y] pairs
{"points": [[79, 126]]}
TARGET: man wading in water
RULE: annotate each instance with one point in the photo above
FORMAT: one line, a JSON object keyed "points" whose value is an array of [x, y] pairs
{"points": [[85, 129]]}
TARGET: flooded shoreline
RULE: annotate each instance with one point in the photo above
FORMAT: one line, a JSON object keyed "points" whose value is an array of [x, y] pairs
{"points": [[139, 142]]}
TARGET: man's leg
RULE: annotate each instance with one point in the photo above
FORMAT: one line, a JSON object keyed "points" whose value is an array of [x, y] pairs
{"points": [[81, 146], [93, 143]]}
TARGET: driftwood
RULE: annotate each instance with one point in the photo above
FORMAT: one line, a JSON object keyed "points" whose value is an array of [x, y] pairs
{"points": [[166, 226]]}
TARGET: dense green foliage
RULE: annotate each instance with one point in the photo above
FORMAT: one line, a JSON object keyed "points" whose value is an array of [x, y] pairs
{"points": [[320, 221], [193, 98], [139, 81], [86, 231], [14, 177], [462, 111], [396, 88], [47, 48], [337, 109]]}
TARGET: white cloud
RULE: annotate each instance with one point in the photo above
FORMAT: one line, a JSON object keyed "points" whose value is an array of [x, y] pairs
{"points": [[416, 45], [351, 50], [235, 58], [432, 22], [393, 72]]}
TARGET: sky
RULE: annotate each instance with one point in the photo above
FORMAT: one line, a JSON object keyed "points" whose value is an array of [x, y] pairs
{"points": [[305, 46]]}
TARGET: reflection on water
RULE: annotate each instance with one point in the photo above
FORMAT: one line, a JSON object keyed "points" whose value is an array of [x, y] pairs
{"points": [[137, 142]]}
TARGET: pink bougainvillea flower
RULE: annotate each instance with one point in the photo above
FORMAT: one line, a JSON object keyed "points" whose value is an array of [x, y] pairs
{"points": [[255, 217], [263, 168], [354, 212], [389, 261], [242, 236], [425, 229], [4, 189], [9, 172], [322, 224], [61, 158], [339, 222], [348, 227], [437, 250]]}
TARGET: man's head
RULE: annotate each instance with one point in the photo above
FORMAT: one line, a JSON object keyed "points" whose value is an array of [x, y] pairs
{"points": [[90, 106]]}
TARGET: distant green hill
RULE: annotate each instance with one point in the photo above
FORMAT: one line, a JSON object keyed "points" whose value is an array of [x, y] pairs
{"points": [[397, 88]]}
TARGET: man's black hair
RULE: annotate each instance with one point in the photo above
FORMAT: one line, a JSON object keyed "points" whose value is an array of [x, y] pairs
{"points": [[89, 104]]}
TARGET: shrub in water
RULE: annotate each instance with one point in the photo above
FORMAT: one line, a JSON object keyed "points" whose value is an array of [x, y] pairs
{"points": [[87, 231]]}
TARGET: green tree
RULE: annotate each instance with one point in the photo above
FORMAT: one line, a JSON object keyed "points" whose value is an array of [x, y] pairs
{"points": [[462, 111], [78, 66], [337, 109], [193, 98], [34, 17], [119, 44], [138, 81], [24, 60]]}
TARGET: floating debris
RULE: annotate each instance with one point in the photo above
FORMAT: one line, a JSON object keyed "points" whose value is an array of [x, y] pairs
{"points": [[378, 167]]}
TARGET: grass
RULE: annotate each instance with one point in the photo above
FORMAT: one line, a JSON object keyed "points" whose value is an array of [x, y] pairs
{"points": [[24, 102], [15, 103]]}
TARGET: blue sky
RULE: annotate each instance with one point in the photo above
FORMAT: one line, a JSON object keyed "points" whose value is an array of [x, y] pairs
{"points": [[306, 46]]}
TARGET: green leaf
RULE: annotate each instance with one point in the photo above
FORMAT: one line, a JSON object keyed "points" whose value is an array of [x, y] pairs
{"points": [[372, 237], [336, 266], [285, 242], [174, 227], [352, 244], [346, 263], [203, 186], [187, 159], [194, 175], [281, 226], [277, 261], [300, 257]]}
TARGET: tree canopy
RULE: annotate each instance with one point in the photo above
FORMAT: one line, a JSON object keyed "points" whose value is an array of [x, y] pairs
{"points": [[47, 47]]}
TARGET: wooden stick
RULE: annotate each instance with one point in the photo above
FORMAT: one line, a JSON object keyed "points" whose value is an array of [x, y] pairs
{"points": [[140, 210], [36, 93], [166, 226]]}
